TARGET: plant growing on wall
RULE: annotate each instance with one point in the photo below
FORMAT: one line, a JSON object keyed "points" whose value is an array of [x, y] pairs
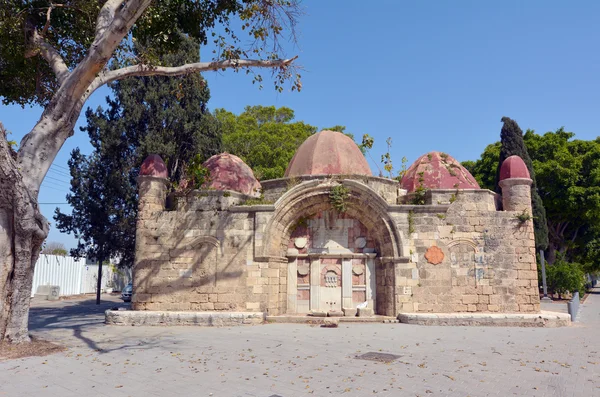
{"points": [[523, 217], [197, 173], [418, 197], [411, 222], [338, 197]]}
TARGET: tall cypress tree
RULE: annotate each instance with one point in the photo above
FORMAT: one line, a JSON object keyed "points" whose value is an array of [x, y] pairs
{"points": [[163, 115], [511, 138]]}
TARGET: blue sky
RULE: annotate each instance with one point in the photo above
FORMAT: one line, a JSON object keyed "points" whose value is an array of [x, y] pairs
{"points": [[433, 75]]}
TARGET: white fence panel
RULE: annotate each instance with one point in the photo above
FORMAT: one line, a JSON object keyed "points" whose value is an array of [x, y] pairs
{"points": [[63, 271], [76, 276]]}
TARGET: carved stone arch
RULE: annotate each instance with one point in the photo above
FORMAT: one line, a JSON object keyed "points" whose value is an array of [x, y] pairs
{"points": [[193, 242], [201, 253], [465, 241], [307, 198]]}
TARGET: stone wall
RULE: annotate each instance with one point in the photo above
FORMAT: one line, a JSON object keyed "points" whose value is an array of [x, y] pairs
{"points": [[457, 253], [469, 257]]}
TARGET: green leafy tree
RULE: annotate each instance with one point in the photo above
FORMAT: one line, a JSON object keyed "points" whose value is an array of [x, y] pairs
{"points": [[564, 277], [482, 168], [511, 139], [265, 137], [57, 54], [568, 176], [155, 114], [101, 218]]}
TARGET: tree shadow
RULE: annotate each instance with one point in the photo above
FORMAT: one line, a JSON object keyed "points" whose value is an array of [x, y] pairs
{"points": [[77, 317]]}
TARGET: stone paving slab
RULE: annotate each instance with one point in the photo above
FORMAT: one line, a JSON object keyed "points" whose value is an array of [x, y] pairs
{"points": [[298, 359]]}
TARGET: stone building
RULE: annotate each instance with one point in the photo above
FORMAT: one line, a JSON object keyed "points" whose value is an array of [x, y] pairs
{"points": [[330, 236]]}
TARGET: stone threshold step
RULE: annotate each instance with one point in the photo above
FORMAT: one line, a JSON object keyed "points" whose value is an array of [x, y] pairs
{"points": [[542, 319], [300, 319]]}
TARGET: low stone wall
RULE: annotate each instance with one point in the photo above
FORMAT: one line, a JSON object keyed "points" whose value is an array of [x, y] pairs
{"points": [[205, 319]]}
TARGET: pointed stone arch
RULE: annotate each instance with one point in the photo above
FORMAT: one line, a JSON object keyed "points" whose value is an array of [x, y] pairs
{"points": [[363, 204], [307, 198]]}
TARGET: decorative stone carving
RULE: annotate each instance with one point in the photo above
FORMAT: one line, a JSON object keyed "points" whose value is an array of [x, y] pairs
{"points": [[360, 242], [358, 270], [303, 270], [300, 242], [434, 255], [331, 279]]}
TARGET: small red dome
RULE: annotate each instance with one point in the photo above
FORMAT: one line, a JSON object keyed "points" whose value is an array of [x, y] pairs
{"points": [[436, 170], [514, 167], [154, 166], [229, 172], [328, 153]]}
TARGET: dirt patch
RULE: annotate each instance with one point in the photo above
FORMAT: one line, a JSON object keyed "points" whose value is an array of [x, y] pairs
{"points": [[37, 348]]}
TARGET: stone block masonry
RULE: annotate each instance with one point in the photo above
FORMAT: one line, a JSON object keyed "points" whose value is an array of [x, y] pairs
{"points": [[295, 251]]}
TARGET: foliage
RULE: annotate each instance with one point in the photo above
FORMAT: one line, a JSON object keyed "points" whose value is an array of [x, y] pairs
{"points": [[367, 142], [196, 173], [511, 138], [265, 137], [403, 168], [565, 276], [57, 54], [418, 196], [338, 197], [101, 210], [162, 115], [480, 169], [54, 248], [524, 216], [386, 158], [291, 183], [71, 28], [258, 201], [411, 222], [568, 175]]}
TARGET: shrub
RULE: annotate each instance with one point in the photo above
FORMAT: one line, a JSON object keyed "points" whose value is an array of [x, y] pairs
{"points": [[565, 276]]}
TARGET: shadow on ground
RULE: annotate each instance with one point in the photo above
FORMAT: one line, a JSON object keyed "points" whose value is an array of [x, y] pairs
{"points": [[74, 317]]}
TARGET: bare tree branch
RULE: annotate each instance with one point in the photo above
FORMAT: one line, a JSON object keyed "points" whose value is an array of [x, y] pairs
{"points": [[149, 70], [51, 55], [47, 25]]}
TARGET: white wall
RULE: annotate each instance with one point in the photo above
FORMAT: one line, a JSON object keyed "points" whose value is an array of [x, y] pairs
{"points": [[75, 276]]}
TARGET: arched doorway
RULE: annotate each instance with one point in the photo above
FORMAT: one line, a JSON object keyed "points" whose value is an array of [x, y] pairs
{"points": [[334, 260], [331, 265]]}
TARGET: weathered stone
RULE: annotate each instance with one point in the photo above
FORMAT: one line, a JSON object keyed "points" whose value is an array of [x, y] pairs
{"points": [[365, 312], [350, 311], [318, 314]]}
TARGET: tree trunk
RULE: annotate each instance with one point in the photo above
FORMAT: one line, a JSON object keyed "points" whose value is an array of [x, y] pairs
{"points": [[99, 283], [23, 229]]}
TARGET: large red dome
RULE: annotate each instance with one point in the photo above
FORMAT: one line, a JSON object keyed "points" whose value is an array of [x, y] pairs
{"points": [[436, 170], [328, 153], [229, 172]]}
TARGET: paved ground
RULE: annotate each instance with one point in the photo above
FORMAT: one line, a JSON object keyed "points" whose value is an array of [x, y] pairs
{"points": [[296, 360]]}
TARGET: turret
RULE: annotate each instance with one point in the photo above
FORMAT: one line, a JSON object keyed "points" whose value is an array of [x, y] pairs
{"points": [[515, 182], [152, 185]]}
